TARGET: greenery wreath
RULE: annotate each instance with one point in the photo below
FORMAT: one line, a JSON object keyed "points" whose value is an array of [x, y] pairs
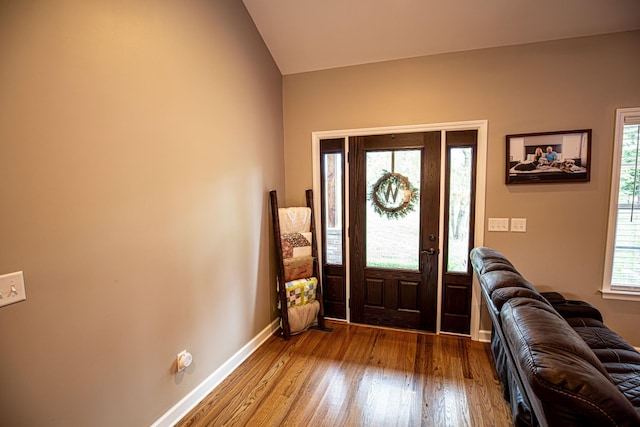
{"points": [[390, 184]]}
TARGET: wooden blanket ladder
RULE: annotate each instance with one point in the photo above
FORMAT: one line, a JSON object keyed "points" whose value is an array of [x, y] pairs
{"points": [[299, 281]]}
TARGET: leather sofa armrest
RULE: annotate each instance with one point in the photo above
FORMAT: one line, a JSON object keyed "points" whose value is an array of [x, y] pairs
{"points": [[553, 297], [572, 309]]}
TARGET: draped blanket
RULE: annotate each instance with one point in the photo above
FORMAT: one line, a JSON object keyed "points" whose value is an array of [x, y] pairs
{"points": [[301, 291], [296, 245], [294, 220], [298, 268], [303, 317]]}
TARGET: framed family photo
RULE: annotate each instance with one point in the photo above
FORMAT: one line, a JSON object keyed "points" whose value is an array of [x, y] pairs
{"points": [[544, 157]]}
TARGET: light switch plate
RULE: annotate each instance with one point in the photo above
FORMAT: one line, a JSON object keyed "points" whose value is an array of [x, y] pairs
{"points": [[519, 225], [498, 224], [12, 288]]}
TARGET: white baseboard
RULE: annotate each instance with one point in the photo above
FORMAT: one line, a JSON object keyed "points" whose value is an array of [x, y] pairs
{"points": [[484, 335], [187, 403]]}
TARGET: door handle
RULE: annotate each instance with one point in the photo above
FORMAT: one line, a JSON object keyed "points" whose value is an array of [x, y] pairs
{"points": [[431, 251]]}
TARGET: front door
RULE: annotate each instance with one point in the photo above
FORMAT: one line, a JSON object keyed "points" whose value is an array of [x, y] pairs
{"points": [[394, 224]]}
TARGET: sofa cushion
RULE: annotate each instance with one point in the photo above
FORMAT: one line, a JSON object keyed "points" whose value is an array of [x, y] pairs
{"points": [[618, 357], [573, 386], [503, 279], [485, 260], [540, 331], [626, 377], [597, 336], [502, 295]]}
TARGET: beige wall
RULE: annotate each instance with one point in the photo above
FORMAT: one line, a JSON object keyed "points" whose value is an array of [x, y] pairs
{"points": [[561, 85], [138, 140]]}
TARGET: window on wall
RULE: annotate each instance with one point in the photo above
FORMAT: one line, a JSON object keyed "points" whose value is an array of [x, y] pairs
{"points": [[622, 272]]}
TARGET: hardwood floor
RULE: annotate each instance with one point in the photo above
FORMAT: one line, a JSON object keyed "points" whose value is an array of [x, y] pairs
{"points": [[359, 376]]}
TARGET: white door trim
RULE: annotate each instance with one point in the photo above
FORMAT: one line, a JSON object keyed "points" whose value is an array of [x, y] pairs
{"points": [[481, 176]]}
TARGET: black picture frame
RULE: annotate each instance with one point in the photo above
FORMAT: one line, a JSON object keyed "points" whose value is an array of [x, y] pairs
{"points": [[566, 157]]}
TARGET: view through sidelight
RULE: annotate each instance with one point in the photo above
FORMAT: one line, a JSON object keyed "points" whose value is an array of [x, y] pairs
{"points": [[332, 212], [459, 205], [460, 181], [333, 230]]}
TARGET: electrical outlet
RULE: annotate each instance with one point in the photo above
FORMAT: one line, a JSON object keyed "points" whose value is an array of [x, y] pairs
{"points": [[12, 288], [498, 224], [519, 225], [183, 360]]}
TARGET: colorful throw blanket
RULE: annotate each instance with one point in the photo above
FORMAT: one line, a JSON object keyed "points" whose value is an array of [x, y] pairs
{"points": [[298, 268], [294, 220], [302, 291], [296, 244]]}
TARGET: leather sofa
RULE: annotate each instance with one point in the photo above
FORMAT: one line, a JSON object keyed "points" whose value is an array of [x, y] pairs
{"points": [[559, 365]]}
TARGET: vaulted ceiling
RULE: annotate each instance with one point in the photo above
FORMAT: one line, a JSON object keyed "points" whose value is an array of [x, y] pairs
{"points": [[308, 35]]}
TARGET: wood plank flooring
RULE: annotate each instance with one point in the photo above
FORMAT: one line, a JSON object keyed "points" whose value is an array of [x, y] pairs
{"points": [[359, 376]]}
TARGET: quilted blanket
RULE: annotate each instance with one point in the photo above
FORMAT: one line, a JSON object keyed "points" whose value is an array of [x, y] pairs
{"points": [[294, 220], [302, 317], [298, 268], [296, 244], [302, 291]]}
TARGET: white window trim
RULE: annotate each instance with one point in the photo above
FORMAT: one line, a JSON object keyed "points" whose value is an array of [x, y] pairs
{"points": [[606, 290]]}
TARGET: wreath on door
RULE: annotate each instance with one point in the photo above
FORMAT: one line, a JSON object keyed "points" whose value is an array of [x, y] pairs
{"points": [[393, 195]]}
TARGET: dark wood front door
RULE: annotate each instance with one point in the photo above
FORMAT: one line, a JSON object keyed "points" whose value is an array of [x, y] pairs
{"points": [[394, 223]]}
